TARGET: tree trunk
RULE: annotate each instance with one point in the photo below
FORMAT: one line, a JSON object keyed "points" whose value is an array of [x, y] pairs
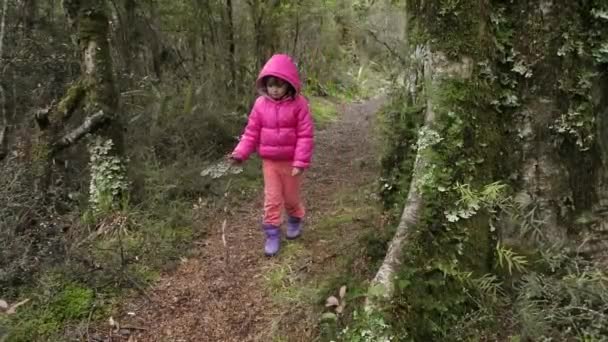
{"points": [[28, 14], [95, 92], [435, 69], [231, 47], [296, 35], [256, 18], [3, 125], [3, 116], [553, 102], [264, 30]]}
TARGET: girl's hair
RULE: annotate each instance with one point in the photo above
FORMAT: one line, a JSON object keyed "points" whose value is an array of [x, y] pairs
{"points": [[277, 81]]}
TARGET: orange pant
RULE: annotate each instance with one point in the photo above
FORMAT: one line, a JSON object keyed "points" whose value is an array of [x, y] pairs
{"points": [[281, 189]]}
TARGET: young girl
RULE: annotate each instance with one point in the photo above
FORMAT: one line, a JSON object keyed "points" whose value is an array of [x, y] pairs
{"points": [[281, 130]]}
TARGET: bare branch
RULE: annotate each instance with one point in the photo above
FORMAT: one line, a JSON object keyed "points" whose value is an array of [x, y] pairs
{"points": [[91, 124], [388, 47]]}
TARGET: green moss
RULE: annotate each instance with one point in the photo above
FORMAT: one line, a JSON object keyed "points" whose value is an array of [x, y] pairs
{"points": [[73, 302], [455, 27], [399, 126], [41, 156], [41, 150], [70, 101], [46, 316]]}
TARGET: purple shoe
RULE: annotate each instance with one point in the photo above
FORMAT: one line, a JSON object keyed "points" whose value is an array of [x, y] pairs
{"points": [[294, 227], [273, 239]]}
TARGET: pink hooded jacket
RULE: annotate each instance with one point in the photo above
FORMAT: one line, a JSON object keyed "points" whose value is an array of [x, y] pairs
{"points": [[283, 129]]}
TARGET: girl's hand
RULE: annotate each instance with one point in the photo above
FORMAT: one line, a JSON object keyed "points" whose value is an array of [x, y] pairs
{"points": [[232, 159], [296, 171]]}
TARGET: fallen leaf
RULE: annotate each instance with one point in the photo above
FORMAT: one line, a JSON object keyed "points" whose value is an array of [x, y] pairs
{"points": [[114, 324], [332, 301], [343, 291], [14, 307], [340, 308]]}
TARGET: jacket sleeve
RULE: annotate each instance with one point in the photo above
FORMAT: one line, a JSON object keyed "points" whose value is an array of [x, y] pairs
{"points": [[251, 136], [305, 137]]}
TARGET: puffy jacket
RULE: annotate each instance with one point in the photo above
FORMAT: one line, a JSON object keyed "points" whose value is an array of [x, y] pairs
{"points": [[279, 129]]}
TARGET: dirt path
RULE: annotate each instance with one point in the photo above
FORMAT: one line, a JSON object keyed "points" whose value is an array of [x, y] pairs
{"points": [[212, 297]]}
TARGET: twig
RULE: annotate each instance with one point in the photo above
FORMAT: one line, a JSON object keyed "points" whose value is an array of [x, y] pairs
{"points": [[122, 250], [13, 309], [388, 47], [89, 322], [225, 209], [130, 327], [224, 233]]}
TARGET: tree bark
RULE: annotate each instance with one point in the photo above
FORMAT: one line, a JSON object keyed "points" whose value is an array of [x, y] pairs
{"points": [[600, 209], [3, 125], [231, 45], [296, 34], [27, 16], [264, 32], [94, 92], [3, 119]]}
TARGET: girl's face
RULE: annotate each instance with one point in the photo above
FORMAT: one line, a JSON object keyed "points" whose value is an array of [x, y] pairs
{"points": [[276, 88]]}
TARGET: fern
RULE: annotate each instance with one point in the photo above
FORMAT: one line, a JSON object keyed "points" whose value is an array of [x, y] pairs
{"points": [[510, 259]]}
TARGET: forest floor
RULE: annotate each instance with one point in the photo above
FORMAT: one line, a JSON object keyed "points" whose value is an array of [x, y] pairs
{"points": [[229, 291]]}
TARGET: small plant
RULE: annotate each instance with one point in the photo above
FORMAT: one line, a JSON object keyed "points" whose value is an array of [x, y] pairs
{"points": [[367, 327], [567, 305], [471, 201], [509, 259], [108, 176], [220, 169]]}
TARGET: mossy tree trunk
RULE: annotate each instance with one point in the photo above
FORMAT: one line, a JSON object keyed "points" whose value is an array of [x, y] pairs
{"points": [[94, 93], [531, 114], [429, 70], [559, 86]]}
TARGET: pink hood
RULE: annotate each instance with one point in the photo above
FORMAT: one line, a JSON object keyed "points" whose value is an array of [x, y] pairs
{"points": [[283, 67]]}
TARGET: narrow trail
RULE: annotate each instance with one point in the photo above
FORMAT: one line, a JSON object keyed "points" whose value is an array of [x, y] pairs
{"points": [[221, 296]]}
